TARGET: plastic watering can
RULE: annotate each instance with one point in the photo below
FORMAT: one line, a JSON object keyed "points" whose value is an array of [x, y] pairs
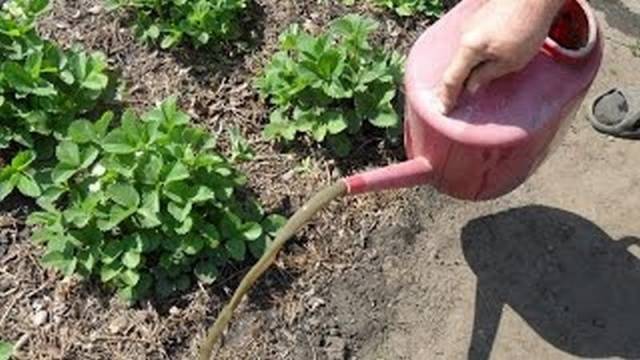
{"points": [[494, 140]]}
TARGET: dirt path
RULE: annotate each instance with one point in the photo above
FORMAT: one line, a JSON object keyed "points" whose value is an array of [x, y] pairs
{"points": [[544, 273]]}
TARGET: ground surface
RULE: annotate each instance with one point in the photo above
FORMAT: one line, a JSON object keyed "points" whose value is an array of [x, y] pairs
{"points": [[544, 273]]}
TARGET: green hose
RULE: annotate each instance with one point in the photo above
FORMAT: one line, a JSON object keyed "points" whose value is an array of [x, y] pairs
{"points": [[295, 223]]}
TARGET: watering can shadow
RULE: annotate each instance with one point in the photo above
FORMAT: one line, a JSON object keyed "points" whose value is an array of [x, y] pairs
{"points": [[576, 287], [494, 140]]}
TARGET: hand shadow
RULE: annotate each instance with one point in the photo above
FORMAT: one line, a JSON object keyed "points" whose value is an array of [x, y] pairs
{"points": [[575, 286]]}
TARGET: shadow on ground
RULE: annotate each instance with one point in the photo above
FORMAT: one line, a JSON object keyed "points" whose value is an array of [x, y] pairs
{"points": [[578, 288]]}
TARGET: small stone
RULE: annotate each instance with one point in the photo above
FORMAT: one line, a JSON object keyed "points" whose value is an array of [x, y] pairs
{"points": [[95, 10], [40, 318], [315, 303], [117, 325], [288, 175], [174, 310]]}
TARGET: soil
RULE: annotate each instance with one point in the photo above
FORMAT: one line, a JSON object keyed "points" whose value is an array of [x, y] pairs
{"points": [[547, 272]]}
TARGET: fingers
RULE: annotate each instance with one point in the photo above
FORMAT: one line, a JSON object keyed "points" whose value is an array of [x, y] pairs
{"points": [[465, 60], [486, 73]]}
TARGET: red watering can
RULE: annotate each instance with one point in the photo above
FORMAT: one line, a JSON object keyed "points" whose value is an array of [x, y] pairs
{"points": [[494, 140]]}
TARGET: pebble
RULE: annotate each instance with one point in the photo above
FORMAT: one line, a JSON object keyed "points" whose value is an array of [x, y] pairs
{"points": [[40, 318], [174, 310], [117, 325], [95, 10], [288, 175]]}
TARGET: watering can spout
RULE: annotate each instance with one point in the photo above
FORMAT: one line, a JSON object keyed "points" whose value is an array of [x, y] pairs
{"points": [[410, 173]]}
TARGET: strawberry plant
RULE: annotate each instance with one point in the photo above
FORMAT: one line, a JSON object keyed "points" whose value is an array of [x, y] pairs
{"points": [[171, 21], [147, 206], [412, 7], [327, 85], [42, 88]]}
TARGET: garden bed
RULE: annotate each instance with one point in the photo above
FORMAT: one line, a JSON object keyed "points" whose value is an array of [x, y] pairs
{"points": [[281, 320]]}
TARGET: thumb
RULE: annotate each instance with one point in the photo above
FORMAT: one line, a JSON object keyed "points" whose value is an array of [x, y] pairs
{"points": [[484, 74]]}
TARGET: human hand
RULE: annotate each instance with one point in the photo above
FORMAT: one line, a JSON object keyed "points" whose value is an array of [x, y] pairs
{"points": [[502, 37]]}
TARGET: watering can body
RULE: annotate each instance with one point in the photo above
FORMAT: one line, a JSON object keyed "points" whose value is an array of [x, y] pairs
{"points": [[495, 139]]}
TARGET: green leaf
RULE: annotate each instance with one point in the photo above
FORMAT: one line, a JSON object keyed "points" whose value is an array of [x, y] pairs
{"points": [[88, 261], [336, 122], [67, 77], [68, 153], [149, 172], [131, 126], [111, 251], [180, 213], [203, 194], [7, 186], [319, 131], [273, 223], [95, 81], [206, 272], [211, 234], [131, 259], [49, 196], [28, 186], [82, 131], [22, 160], [185, 227], [193, 245], [170, 40], [102, 125], [6, 350], [17, 77], [109, 272], [279, 127], [236, 248], [125, 195], [252, 231], [58, 260], [62, 172], [89, 155], [149, 209], [178, 172], [153, 32], [117, 142], [385, 118]]}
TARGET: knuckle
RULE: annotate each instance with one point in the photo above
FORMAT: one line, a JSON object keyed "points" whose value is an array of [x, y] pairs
{"points": [[473, 43]]}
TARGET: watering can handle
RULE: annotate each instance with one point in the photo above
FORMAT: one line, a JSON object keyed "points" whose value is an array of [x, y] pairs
{"points": [[403, 175], [573, 19]]}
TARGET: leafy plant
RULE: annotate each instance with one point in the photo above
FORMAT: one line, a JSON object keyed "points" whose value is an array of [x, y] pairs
{"points": [[412, 7], [6, 350], [18, 174], [327, 85], [171, 21], [146, 206], [42, 88]]}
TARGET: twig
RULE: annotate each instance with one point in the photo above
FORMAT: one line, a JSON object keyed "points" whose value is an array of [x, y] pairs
{"points": [[11, 305], [32, 293], [23, 339]]}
